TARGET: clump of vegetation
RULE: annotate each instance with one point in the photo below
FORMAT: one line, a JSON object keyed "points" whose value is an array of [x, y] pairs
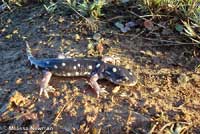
{"points": [[188, 12], [24, 2], [87, 8], [184, 8], [90, 11], [184, 15]]}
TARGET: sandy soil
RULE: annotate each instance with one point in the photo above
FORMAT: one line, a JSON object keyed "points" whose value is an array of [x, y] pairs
{"points": [[165, 100]]}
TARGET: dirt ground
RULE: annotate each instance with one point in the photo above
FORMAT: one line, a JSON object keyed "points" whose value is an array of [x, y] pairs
{"points": [[165, 99]]}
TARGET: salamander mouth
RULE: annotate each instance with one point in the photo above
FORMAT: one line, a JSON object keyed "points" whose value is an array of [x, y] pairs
{"points": [[125, 83], [133, 83]]}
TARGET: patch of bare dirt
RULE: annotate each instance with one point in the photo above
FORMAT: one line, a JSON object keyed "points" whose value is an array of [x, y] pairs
{"points": [[166, 98]]}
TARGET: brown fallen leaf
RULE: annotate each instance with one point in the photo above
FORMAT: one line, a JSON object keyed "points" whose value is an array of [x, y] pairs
{"points": [[100, 47], [148, 24], [17, 98], [96, 130]]}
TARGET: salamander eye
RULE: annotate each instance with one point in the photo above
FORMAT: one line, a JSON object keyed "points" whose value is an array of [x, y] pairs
{"points": [[124, 78]]}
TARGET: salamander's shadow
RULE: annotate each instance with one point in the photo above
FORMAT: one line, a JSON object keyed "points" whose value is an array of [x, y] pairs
{"points": [[81, 84]]}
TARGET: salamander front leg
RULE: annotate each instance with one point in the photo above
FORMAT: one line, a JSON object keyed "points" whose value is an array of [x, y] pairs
{"points": [[95, 85], [44, 84]]}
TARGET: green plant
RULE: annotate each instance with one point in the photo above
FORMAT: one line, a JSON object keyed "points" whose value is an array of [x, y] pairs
{"points": [[187, 10], [25, 2], [51, 7], [87, 8], [91, 8], [190, 32]]}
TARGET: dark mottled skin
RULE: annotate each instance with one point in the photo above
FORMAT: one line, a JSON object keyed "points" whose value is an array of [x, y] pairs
{"points": [[121, 76], [93, 68], [70, 63]]}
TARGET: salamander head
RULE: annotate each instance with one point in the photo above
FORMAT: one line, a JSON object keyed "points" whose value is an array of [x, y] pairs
{"points": [[120, 76]]}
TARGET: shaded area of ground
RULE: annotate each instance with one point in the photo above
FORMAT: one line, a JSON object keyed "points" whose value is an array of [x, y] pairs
{"points": [[165, 99]]}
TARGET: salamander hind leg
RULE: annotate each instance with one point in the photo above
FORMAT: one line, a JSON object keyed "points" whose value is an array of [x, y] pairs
{"points": [[95, 85], [44, 85]]}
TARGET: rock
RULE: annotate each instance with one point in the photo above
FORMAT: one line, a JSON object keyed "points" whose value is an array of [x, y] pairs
{"points": [[96, 36]]}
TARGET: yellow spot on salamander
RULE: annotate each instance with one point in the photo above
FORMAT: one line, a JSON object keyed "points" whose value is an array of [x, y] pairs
{"points": [[114, 69], [55, 66], [63, 64], [98, 65], [77, 73], [90, 67]]}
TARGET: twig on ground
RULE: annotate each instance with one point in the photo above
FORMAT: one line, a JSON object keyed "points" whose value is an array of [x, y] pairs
{"points": [[142, 17], [170, 43], [117, 17], [149, 15], [58, 115], [137, 35]]}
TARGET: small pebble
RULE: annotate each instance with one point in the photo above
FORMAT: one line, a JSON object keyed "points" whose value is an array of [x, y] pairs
{"points": [[97, 36]]}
